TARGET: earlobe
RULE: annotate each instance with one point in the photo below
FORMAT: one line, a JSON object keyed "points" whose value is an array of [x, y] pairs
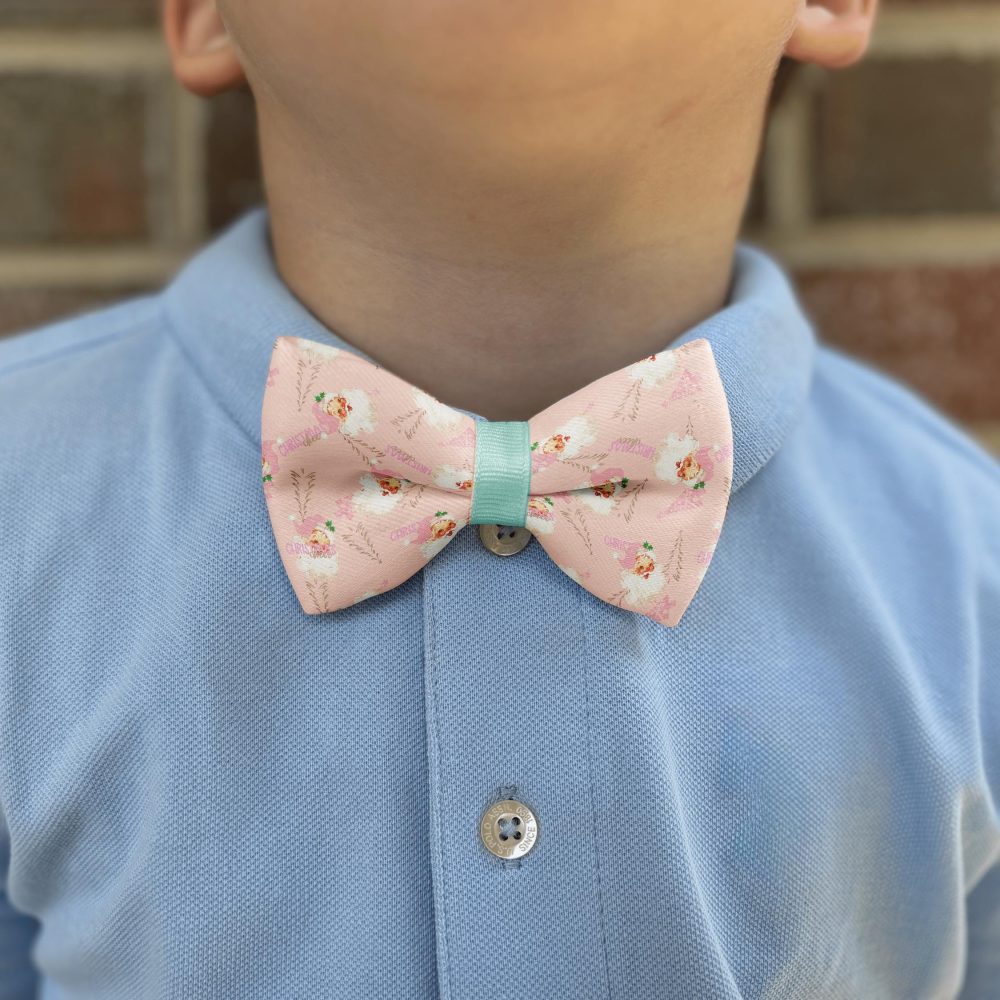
{"points": [[832, 33], [201, 51]]}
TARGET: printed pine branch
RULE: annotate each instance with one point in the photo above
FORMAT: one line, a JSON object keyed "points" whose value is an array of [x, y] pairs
{"points": [[368, 549], [580, 529], [403, 417], [635, 393], [302, 497], [321, 607], [676, 553], [578, 461], [632, 493], [618, 597], [303, 391], [357, 446]]}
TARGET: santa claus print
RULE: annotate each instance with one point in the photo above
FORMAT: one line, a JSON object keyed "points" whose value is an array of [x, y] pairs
{"points": [[608, 485], [320, 539], [540, 516], [314, 543], [349, 411], [642, 578], [682, 460], [379, 492], [566, 443]]}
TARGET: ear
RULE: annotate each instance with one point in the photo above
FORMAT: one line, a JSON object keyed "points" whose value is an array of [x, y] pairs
{"points": [[831, 33], [202, 53]]}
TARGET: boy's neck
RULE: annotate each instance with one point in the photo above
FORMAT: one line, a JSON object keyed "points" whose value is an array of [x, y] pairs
{"points": [[503, 298]]}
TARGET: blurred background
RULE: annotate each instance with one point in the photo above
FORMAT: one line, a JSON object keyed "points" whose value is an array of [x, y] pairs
{"points": [[878, 186]]}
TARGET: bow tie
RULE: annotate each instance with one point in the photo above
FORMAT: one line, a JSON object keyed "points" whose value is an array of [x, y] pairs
{"points": [[625, 482]]}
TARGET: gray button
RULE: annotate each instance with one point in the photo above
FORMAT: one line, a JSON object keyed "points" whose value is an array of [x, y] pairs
{"points": [[504, 539], [508, 829]]}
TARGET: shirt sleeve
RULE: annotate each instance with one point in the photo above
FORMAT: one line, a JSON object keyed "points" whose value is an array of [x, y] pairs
{"points": [[18, 976]]}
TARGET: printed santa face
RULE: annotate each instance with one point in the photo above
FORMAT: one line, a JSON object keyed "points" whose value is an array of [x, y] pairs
{"points": [[642, 577], [319, 542], [349, 411], [566, 441], [643, 565], [442, 526], [435, 532], [608, 484], [688, 468], [388, 484], [315, 544], [337, 406], [555, 444], [677, 461], [379, 492], [540, 517]]}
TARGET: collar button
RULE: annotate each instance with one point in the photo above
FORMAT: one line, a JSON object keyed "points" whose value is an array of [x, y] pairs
{"points": [[504, 539]]}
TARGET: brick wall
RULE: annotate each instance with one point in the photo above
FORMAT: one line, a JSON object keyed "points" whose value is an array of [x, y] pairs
{"points": [[878, 186]]}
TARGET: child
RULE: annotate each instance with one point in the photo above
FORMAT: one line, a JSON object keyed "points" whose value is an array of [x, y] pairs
{"points": [[590, 630]]}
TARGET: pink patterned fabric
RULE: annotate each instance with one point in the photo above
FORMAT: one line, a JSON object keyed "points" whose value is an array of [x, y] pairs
{"points": [[368, 477]]}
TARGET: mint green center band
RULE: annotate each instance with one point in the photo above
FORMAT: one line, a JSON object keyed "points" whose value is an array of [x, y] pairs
{"points": [[502, 474]]}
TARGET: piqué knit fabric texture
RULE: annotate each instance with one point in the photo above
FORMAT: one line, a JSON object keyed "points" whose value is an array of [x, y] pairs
{"points": [[206, 792]]}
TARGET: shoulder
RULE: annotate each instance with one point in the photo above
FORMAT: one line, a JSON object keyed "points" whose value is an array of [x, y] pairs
{"points": [[914, 496], [866, 414], [85, 351], [71, 396]]}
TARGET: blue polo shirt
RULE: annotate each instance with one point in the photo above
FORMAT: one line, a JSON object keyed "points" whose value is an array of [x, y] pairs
{"points": [[207, 793]]}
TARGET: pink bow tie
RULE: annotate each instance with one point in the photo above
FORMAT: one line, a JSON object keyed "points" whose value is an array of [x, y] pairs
{"points": [[625, 482]]}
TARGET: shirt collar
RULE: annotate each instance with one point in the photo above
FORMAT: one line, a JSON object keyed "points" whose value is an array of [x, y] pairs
{"points": [[228, 304]]}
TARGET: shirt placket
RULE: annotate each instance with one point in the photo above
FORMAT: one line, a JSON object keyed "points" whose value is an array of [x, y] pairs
{"points": [[508, 726]]}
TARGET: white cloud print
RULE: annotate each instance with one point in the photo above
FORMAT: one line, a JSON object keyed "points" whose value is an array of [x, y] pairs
{"points": [[436, 413], [654, 373], [319, 565], [447, 477], [320, 352]]}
